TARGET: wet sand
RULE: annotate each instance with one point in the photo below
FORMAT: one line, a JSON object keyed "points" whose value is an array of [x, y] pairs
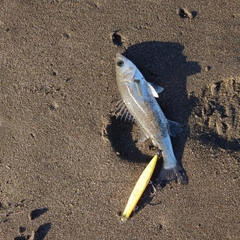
{"points": [[67, 166]]}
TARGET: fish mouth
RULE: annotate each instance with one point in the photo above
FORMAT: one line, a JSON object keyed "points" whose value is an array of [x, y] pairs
{"points": [[120, 57]]}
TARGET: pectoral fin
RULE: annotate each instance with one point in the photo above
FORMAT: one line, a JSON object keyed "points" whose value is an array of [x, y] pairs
{"points": [[174, 128], [155, 89], [137, 81]]}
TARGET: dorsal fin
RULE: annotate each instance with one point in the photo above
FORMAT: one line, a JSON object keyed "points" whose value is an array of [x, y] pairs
{"points": [[122, 111], [142, 136]]}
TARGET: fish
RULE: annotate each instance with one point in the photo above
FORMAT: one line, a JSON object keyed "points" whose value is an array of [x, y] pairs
{"points": [[138, 103], [139, 188]]}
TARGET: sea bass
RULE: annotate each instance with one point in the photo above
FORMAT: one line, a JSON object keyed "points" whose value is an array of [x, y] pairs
{"points": [[139, 103]]}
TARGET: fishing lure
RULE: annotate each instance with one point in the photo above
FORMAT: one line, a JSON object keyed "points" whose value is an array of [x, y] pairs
{"points": [[139, 188]]}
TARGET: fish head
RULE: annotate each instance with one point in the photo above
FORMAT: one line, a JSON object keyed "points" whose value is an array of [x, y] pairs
{"points": [[125, 69], [128, 76]]}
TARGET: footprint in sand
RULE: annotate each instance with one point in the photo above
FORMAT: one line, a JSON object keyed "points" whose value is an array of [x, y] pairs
{"points": [[220, 108]]}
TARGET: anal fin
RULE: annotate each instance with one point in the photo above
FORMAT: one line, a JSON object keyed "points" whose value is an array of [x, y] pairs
{"points": [[174, 128]]}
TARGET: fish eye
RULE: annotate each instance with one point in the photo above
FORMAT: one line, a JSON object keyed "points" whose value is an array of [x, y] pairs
{"points": [[120, 63]]}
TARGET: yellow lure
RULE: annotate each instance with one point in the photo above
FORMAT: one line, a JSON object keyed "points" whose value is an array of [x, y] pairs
{"points": [[139, 188]]}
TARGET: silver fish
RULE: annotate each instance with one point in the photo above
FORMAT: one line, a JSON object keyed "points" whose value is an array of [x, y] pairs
{"points": [[139, 103]]}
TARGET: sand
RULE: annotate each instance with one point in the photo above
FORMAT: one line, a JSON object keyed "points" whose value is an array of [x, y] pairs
{"points": [[67, 166]]}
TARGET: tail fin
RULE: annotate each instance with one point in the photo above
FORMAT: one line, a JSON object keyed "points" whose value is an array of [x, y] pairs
{"points": [[176, 173]]}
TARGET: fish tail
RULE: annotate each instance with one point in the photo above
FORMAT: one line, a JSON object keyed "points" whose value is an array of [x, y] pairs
{"points": [[176, 173]]}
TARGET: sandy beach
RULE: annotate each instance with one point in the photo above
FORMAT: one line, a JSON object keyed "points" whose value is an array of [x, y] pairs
{"points": [[68, 166]]}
